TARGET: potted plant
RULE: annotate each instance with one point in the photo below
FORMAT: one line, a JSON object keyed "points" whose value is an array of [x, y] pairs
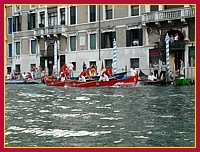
{"points": [[41, 25], [62, 22]]}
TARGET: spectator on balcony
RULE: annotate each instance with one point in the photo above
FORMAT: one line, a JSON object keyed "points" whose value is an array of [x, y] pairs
{"points": [[172, 38], [176, 38], [135, 42], [84, 66]]}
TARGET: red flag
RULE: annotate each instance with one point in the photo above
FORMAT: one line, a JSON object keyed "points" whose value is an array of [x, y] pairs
{"points": [[102, 66]]}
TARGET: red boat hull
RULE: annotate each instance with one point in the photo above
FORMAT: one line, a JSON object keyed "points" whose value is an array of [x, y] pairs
{"points": [[91, 83]]}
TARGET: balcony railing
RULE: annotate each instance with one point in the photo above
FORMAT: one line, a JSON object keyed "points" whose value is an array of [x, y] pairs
{"points": [[49, 30], [180, 44], [179, 13]]}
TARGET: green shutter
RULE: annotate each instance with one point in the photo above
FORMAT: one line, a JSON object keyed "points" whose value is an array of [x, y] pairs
{"points": [[128, 38], [102, 40], [14, 24], [191, 52], [29, 21], [20, 23], [140, 36]]}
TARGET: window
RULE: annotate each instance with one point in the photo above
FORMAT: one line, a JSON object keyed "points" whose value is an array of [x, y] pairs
{"points": [[134, 10], [17, 47], [73, 43], [9, 25], [42, 19], [134, 62], [108, 63], [17, 68], [9, 51], [32, 67], [92, 62], [191, 55], [134, 37], [92, 13], [62, 60], [154, 8], [92, 41], [109, 12], [107, 39], [52, 19], [17, 23], [31, 21], [62, 16], [8, 70], [154, 56], [73, 15], [33, 46], [74, 68]]}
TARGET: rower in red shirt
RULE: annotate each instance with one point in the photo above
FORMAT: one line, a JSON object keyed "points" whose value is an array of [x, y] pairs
{"points": [[84, 74], [63, 69], [106, 74], [64, 75]]}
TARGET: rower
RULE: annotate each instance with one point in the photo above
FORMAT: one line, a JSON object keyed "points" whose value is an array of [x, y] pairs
{"points": [[83, 74], [151, 77], [106, 74]]}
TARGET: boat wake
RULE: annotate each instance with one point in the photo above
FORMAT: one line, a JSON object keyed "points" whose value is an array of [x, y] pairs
{"points": [[124, 85]]}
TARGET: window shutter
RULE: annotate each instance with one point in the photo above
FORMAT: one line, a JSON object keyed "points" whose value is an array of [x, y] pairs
{"points": [[29, 21], [20, 23], [128, 38], [14, 24], [102, 40], [140, 36]]}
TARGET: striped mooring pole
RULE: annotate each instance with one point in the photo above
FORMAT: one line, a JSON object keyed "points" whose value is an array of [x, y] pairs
{"points": [[167, 39], [55, 66], [114, 57]]}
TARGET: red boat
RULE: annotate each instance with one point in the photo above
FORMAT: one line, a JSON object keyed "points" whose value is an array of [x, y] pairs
{"points": [[50, 81], [132, 80]]}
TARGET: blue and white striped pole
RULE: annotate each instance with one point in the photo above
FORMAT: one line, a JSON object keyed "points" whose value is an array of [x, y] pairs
{"points": [[55, 66], [167, 39], [114, 57]]}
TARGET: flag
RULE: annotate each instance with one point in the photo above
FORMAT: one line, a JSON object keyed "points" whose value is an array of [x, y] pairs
{"points": [[102, 66]]}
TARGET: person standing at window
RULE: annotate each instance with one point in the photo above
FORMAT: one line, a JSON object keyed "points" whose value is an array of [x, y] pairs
{"points": [[93, 69], [84, 66]]}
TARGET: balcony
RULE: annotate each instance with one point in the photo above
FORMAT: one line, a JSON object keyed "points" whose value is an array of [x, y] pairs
{"points": [[180, 44], [51, 30], [172, 14]]}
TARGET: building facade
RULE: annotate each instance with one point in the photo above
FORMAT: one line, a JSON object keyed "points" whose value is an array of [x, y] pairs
{"points": [[47, 36]]}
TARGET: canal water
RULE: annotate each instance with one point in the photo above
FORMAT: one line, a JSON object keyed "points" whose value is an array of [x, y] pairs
{"points": [[141, 116]]}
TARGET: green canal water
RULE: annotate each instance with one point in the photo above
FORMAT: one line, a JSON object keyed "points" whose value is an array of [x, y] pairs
{"points": [[141, 116]]}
